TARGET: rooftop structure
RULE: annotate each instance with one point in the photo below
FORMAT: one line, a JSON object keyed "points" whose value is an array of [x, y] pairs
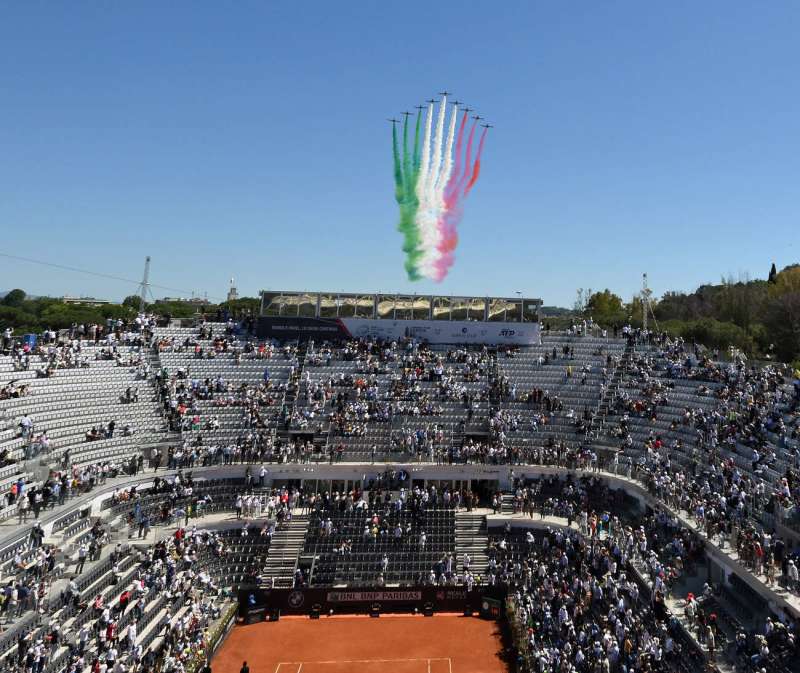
{"points": [[393, 306]]}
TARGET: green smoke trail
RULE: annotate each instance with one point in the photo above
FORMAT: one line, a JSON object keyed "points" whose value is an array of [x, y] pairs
{"points": [[405, 193], [398, 173], [406, 156], [416, 145]]}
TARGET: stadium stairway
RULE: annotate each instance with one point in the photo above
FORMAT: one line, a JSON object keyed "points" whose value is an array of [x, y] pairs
{"points": [[616, 381], [724, 661], [472, 538], [284, 551]]}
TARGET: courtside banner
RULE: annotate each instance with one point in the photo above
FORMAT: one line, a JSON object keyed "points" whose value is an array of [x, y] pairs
{"points": [[303, 329], [256, 603], [431, 331], [363, 596]]}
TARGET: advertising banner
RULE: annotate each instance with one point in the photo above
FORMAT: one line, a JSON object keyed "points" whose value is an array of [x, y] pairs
{"points": [[303, 329], [255, 603], [369, 596], [431, 331], [446, 331]]}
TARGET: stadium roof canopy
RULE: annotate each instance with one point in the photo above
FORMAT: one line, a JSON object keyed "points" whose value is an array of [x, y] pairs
{"points": [[398, 306]]}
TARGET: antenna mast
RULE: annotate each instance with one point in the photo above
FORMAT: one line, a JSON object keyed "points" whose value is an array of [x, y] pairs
{"points": [[144, 287]]}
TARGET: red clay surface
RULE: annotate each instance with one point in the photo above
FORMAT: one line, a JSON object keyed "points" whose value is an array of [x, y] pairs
{"points": [[349, 644]]}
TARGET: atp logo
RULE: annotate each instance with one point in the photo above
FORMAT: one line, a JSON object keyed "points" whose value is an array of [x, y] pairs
{"points": [[507, 332]]}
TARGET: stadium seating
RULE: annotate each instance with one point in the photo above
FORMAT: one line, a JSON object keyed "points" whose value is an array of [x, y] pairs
{"points": [[353, 553], [683, 424]]}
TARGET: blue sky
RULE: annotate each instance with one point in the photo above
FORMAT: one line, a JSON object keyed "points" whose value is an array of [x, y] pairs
{"points": [[250, 140]]}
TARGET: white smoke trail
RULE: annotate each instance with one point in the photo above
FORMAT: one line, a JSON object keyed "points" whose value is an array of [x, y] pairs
{"points": [[423, 194], [447, 168], [431, 255], [428, 213], [436, 161]]}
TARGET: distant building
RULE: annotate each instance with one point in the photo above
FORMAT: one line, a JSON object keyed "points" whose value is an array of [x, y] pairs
{"points": [[198, 301], [233, 293], [89, 301]]}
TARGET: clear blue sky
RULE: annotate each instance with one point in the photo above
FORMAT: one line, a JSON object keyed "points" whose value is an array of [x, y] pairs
{"points": [[249, 140]]}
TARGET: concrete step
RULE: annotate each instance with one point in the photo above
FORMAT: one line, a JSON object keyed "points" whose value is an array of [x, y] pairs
{"points": [[471, 538]]}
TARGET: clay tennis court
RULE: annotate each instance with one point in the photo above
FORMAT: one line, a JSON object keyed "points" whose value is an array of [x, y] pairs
{"points": [[356, 644]]}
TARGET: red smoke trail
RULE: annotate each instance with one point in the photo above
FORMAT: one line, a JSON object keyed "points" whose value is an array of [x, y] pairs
{"points": [[455, 176], [448, 224], [463, 180], [476, 171]]}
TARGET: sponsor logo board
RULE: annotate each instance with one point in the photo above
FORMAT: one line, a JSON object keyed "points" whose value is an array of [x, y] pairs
{"points": [[373, 596], [433, 331]]}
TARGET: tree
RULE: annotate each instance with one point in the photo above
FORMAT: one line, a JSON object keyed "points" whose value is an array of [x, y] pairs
{"points": [[181, 309], [133, 301], [782, 320], [19, 319], [581, 299], [773, 272], [14, 298], [606, 308], [739, 301], [244, 305], [674, 306], [711, 333], [787, 281]]}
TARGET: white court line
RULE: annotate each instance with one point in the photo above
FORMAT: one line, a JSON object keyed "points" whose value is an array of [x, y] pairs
{"points": [[357, 661], [300, 664]]}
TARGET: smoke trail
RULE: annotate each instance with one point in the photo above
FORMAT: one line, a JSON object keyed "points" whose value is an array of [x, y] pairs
{"points": [[444, 176], [433, 173], [447, 159], [416, 147], [465, 175], [406, 225], [406, 159], [431, 182], [398, 173], [448, 242], [476, 171], [445, 231], [459, 160], [426, 154], [427, 213], [410, 200], [452, 215]]}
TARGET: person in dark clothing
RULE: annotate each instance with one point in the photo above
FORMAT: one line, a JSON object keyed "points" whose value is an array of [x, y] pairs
{"points": [[245, 668], [22, 647]]}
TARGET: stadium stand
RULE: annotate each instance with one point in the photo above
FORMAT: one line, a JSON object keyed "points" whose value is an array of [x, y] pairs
{"points": [[382, 539], [128, 462]]}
